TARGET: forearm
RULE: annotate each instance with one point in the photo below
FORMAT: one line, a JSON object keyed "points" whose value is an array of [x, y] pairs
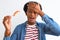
{"points": [[7, 33]]}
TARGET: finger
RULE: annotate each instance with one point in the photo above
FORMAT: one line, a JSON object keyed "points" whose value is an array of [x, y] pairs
{"points": [[37, 6], [7, 24], [31, 4], [6, 18], [34, 9]]}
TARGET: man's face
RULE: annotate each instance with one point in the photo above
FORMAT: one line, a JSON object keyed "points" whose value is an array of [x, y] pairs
{"points": [[31, 13]]}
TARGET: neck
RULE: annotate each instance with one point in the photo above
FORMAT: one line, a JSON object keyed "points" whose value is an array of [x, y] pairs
{"points": [[31, 23]]}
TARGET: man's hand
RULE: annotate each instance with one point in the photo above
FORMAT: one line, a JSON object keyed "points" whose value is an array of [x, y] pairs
{"points": [[7, 24], [36, 8]]}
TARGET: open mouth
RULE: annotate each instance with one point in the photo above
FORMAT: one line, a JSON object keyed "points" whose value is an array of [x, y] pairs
{"points": [[32, 19]]}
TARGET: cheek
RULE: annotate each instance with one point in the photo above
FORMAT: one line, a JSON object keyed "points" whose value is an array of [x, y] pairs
{"points": [[27, 15], [36, 15]]}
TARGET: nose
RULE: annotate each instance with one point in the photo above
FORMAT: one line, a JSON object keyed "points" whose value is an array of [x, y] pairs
{"points": [[32, 14]]}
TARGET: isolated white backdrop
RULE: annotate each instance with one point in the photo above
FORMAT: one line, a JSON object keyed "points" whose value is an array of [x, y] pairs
{"points": [[8, 7]]}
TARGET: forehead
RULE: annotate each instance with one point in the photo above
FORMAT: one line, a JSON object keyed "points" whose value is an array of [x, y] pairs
{"points": [[30, 10], [31, 4]]}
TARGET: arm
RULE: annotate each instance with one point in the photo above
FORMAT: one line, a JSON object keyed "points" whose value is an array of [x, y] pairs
{"points": [[13, 36], [51, 27], [7, 25]]}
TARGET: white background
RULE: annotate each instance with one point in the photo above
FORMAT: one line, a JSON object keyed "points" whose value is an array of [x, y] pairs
{"points": [[8, 7]]}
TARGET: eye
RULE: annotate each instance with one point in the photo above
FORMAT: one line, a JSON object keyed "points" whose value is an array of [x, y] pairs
{"points": [[35, 12], [29, 11]]}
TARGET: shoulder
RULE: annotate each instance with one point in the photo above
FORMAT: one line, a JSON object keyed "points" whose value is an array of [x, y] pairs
{"points": [[20, 26], [41, 24]]}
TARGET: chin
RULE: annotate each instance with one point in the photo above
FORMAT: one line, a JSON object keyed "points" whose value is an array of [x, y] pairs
{"points": [[32, 21]]}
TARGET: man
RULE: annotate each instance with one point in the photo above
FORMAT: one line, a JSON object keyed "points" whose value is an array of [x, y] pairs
{"points": [[31, 30]]}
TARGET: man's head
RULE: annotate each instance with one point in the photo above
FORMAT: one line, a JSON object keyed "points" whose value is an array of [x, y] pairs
{"points": [[26, 7], [30, 9]]}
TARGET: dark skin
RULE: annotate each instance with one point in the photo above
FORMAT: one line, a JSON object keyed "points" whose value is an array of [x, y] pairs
{"points": [[32, 12]]}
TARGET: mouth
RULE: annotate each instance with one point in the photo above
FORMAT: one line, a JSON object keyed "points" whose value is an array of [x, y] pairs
{"points": [[31, 19]]}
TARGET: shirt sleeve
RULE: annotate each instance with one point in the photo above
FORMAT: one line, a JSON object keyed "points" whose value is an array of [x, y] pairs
{"points": [[13, 36], [51, 24], [7, 38]]}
